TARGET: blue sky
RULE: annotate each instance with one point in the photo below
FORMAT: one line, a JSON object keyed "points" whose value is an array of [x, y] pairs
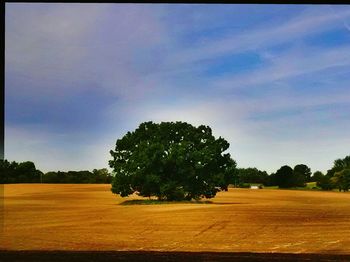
{"points": [[273, 80]]}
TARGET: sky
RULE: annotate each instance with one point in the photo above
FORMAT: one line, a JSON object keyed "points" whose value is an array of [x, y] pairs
{"points": [[273, 80]]}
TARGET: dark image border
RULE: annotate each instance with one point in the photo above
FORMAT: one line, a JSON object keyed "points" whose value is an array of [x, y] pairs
{"points": [[102, 256]]}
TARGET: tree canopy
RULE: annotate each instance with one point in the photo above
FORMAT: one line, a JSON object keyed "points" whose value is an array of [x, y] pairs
{"points": [[172, 161]]}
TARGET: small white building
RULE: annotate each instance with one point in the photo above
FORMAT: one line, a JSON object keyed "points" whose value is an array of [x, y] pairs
{"points": [[254, 187]]}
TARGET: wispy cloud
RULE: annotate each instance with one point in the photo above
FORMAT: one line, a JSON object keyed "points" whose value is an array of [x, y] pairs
{"points": [[289, 65], [310, 22]]}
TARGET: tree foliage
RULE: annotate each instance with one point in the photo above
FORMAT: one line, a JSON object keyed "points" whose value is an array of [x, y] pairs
{"points": [[172, 161]]}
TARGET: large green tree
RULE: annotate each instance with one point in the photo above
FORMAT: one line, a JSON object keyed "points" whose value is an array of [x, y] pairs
{"points": [[339, 165], [284, 177], [172, 161], [341, 180], [302, 174], [330, 180]]}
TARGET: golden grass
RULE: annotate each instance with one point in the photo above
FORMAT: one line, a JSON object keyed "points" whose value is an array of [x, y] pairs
{"points": [[90, 217]]}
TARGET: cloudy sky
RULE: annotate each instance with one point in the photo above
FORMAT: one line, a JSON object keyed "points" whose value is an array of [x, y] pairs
{"points": [[273, 80]]}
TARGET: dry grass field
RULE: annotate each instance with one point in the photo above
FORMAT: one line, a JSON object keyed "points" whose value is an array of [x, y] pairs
{"points": [[90, 217]]}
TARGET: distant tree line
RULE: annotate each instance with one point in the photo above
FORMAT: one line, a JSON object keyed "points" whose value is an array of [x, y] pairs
{"points": [[246, 176], [13, 172], [338, 177], [285, 177], [97, 176], [26, 172]]}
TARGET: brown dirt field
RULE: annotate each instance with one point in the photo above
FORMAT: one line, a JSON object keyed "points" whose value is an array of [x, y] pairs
{"points": [[89, 217]]}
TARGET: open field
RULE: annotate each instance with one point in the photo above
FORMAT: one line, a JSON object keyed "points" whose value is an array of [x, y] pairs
{"points": [[90, 218]]}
